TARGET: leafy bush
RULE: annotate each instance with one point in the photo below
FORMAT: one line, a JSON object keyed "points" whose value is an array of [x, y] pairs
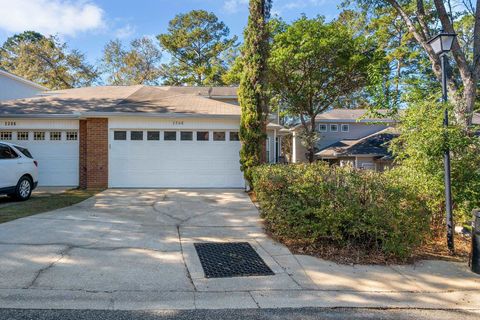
{"points": [[343, 206], [419, 156]]}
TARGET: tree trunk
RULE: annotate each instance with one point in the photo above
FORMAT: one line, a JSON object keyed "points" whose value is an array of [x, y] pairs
{"points": [[469, 96], [464, 103]]}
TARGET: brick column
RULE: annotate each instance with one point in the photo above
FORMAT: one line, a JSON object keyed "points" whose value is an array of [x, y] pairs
{"points": [[93, 153]]}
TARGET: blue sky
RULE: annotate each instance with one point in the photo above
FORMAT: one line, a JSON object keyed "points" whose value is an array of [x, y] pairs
{"points": [[88, 24]]}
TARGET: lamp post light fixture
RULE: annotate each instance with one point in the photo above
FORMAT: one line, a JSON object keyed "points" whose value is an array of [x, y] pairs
{"points": [[441, 45]]}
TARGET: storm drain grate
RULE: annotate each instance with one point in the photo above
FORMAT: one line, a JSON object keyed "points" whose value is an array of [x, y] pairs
{"points": [[233, 259]]}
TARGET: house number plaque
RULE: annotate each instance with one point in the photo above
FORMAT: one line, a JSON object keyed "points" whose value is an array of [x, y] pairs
{"points": [[10, 123], [177, 123]]}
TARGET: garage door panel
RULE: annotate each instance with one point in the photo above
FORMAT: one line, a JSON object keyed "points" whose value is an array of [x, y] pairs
{"points": [[182, 164], [58, 161]]}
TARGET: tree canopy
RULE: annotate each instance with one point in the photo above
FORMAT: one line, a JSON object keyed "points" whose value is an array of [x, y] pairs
{"points": [[139, 64], [200, 47], [46, 61], [404, 27], [313, 65]]}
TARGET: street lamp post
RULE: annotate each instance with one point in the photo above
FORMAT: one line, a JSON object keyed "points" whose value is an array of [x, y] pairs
{"points": [[441, 45]]}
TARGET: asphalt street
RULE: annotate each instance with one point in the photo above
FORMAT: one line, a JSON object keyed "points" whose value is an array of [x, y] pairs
{"points": [[233, 314]]}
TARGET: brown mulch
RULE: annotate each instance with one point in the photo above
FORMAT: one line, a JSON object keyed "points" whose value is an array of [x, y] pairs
{"points": [[436, 249], [433, 250]]}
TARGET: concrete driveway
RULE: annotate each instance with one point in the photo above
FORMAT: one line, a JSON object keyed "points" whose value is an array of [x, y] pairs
{"points": [[133, 249]]}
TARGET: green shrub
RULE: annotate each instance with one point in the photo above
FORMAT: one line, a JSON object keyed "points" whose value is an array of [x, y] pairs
{"points": [[362, 209], [419, 156]]}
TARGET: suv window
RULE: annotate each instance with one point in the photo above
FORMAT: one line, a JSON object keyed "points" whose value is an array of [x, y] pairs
{"points": [[6, 152], [25, 152]]}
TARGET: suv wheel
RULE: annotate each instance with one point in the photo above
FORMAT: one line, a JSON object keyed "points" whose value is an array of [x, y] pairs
{"points": [[24, 189]]}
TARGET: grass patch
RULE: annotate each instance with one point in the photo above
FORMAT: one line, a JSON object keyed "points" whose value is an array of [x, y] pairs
{"points": [[43, 203]]}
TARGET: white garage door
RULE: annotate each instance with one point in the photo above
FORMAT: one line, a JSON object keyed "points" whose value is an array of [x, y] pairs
{"points": [[57, 154], [174, 159]]}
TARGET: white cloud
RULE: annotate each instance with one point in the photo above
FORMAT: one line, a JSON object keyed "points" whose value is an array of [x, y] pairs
{"points": [[232, 6], [64, 17], [125, 32]]}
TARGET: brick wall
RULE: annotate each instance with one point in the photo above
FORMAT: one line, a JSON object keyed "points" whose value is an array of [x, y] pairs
{"points": [[94, 153]]}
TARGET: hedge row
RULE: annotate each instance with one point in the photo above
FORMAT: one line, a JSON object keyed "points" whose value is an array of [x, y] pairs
{"points": [[343, 206]]}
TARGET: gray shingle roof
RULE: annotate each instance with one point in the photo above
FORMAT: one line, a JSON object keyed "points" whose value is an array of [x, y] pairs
{"points": [[349, 115], [132, 99], [375, 144]]}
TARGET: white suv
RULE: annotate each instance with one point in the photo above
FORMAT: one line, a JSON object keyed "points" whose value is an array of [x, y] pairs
{"points": [[18, 171]]}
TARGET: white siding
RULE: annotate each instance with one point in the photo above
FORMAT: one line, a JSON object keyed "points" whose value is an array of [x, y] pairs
{"points": [[14, 89]]}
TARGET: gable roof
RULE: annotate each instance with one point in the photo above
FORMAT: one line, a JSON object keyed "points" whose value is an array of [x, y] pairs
{"points": [[137, 99], [351, 115], [374, 145], [22, 80], [222, 92]]}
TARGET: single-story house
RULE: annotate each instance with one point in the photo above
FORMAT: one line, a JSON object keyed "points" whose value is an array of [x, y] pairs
{"points": [[15, 87], [133, 136]]}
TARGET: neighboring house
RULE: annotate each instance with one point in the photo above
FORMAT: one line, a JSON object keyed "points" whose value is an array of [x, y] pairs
{"points": [[15, 87], [371, 152], [132, 136], [339, 128]]}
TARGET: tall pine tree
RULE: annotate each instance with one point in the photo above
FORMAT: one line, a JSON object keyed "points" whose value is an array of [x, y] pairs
{"points": [[252, 91]]}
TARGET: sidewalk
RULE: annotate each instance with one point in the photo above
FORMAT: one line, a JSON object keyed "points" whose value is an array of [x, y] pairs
{"points": [[134, 250]]}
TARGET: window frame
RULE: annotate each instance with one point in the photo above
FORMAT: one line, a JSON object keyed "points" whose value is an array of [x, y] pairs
{"points": [[7, 133], [167, 132], [132, 132], [199, 133], [345, 125], [42, 133], [51, 134], [322, 124], [156, 132], [119, 131], [237, 133], [186, 132], [68, 135], [333, 124], [221, 132], [22, 139]]}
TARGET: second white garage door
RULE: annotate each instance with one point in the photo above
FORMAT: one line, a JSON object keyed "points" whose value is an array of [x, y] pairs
{"points": [[174, 159], [56, 152]]}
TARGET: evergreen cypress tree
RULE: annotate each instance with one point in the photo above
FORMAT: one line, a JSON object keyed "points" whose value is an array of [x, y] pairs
{"points": [[252, 91]]}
